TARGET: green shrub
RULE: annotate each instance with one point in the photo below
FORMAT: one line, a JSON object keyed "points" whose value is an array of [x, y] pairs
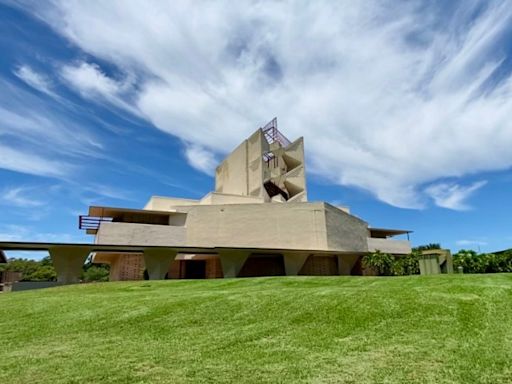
{"points": [[380, 262], [385, 264], [95, 273], [408, 264]]}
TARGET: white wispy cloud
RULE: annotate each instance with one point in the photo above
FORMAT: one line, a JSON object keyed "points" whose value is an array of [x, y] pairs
{"points": [[39, 139], [389, 96], [464, 243], [452, 195], [91, 82], [20, 197], [14, 232], [21, 161], [35, 79], [106, 191], [200, 158]]}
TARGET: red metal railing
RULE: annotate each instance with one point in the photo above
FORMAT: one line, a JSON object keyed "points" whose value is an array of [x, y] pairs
{"points": [[272, 134]]}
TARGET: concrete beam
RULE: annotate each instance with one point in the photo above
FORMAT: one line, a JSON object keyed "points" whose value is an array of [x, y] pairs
{"points": [[68, 262], [157, 262], [232, 262], [293, 262], [346, 263]]}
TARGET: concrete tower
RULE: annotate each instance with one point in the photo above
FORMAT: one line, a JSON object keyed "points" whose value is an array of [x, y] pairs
{"points": [[266, 165]]}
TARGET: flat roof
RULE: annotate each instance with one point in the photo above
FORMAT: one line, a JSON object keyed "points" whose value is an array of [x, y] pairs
{"points": [[39, 246], [389, 232], [98, 211]]}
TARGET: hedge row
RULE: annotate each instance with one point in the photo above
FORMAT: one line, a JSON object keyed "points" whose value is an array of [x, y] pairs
{"points": [[472, 262], [385, 264]]}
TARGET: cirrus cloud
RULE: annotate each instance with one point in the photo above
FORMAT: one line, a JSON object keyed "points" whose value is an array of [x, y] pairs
{"points": [[390, 97]]}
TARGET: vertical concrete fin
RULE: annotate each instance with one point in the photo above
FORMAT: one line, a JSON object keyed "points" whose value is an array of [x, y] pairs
{"points": [[293, 262], [232, 261], [157, 262], [346, 263], [68, 262]]}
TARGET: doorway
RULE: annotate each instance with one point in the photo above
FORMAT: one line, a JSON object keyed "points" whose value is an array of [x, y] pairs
{"points": [[194, 269]]}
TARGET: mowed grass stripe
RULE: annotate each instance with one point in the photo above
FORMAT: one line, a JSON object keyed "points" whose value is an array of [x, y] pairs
{"points": [[432, 329]]}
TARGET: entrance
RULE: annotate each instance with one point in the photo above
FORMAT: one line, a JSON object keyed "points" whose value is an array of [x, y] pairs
{"points": [[195, 269], [263, 265]]}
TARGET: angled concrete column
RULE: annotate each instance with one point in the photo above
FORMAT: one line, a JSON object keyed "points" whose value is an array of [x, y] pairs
{"points": [[68, 262], [346, 263], [157, 261], [293, 262], [232, 262]]}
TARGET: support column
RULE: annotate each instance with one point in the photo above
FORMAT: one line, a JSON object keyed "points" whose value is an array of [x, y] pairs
{"points": [[293, 262], [68, 262], [232, 262], [157, 262], [346, 263]]}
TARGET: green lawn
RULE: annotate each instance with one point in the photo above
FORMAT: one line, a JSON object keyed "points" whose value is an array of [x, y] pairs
{"points": [[433, 329]]}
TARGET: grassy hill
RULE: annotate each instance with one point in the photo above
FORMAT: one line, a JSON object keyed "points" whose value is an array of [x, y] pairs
{"points": [[433, 329]]}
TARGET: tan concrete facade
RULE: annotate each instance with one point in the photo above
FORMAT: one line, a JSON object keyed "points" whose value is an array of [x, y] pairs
{"points": [[259, 203]]}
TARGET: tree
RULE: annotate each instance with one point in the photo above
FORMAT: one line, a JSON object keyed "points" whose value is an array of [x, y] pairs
{"points": [[43, 270], [32, 270], [426, 247]]}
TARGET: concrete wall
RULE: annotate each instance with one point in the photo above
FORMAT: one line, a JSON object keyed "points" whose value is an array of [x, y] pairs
{"points": [[29, 285], [308, 226], [344, 231], [160, 203], [231, 174], [397, 247], [214, 198], [287, 170], [241, 172], [256, 146], [292, 225], [140, 234]]}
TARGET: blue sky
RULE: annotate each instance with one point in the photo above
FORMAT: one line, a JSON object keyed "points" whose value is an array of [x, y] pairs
{"points": [[404, 106]]}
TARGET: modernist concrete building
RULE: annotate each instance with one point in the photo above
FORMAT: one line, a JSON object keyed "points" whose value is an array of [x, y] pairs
{"points": [[257, 222], [259, 207]]}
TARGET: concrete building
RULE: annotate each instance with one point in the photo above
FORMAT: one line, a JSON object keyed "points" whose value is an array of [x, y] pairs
{"points": [[258, 220]]}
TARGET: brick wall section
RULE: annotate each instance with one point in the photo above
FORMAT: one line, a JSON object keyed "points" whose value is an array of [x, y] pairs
{"points": [[320, 266], [174, 269], [263, 266], [131, 267], [214, 268]]}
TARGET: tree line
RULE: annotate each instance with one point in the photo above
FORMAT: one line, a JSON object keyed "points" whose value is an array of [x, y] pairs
{"points": [[468, 261], [43, 270]]}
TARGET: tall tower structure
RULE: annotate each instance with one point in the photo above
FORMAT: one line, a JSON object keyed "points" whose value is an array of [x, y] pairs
{"points": [[266, 165]]}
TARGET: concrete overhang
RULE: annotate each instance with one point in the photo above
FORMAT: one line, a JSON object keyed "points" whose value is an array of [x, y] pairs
{"points": [[99, 211], [386, 232], [37, 246], [97, 215]]}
